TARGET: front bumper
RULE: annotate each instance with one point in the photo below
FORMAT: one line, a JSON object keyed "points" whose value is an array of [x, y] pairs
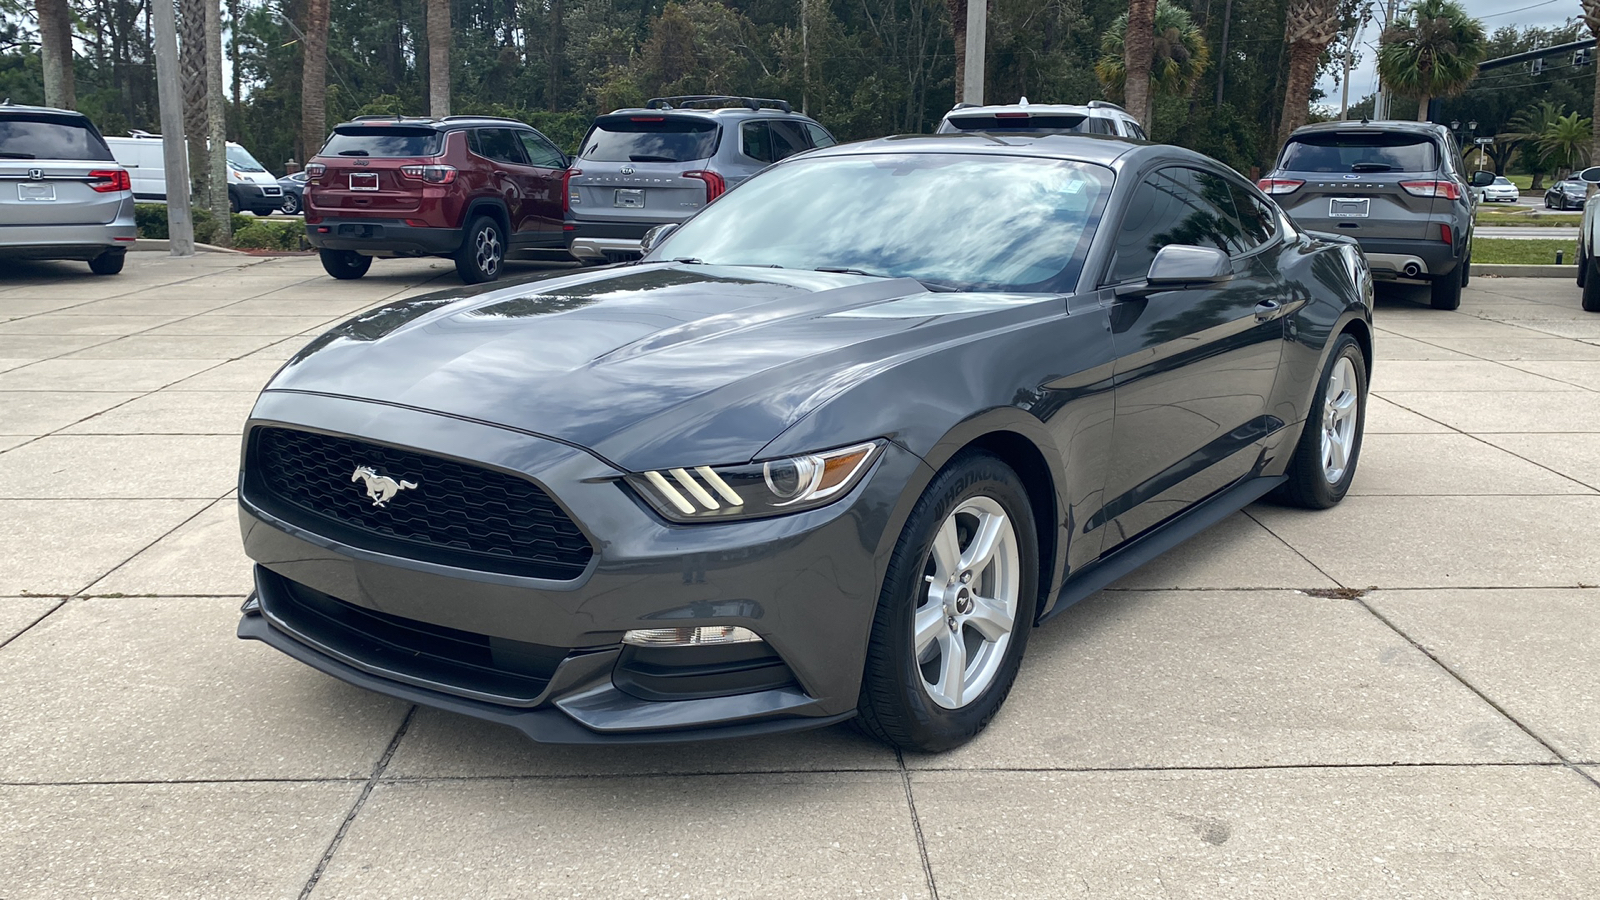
{"points": [[806, 583], [258, 198]]}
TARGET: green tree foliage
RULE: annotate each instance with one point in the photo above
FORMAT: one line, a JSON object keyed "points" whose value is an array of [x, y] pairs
{"points": [[1526, 131], [1565, 141], [1432, 50], [1179, 53]]}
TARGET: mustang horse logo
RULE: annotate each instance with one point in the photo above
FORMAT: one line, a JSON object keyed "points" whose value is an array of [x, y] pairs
{"points": [[381, 488]]}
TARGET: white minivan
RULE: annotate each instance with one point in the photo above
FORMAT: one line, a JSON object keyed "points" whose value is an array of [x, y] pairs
{"points": [[250, 186]]}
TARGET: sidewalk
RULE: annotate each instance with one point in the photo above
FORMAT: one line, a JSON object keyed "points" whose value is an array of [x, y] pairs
{"points": [[1397, 697]]}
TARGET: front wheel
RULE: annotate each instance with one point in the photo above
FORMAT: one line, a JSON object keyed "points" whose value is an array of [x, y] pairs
{"points": [[1591, 285], [108, 263], [1324, 461], [956, 607], [344, 265], [482, 250], [291, 205]]}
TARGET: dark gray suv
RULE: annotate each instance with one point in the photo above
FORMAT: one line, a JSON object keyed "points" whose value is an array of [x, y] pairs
{"points": [[1398, 188], [639, 168]]}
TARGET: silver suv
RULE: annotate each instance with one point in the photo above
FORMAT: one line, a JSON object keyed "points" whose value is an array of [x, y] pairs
{"points": [[660, 164], [1095, 117], [1398, 188], [62, 194]]}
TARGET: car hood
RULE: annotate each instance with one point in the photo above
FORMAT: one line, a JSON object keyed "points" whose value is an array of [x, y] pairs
{"points": [[646, 366]]}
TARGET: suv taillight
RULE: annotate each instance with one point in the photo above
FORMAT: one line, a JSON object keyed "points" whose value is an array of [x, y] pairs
{"points": [[715, 186], [430, 174], [1279, 185], [314, 172], [567, 196], [1445, 189], [105, 181]]}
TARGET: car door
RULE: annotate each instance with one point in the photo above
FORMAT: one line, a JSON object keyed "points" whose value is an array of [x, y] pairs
{"points": [[546, 168], [1195, 366], [511, 179]]}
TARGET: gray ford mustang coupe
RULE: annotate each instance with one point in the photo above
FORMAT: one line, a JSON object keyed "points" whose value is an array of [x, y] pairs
{"points": [[829, 451]]}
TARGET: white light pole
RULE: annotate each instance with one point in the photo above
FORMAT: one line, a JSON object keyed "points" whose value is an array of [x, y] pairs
{"points": [[977, 25]]}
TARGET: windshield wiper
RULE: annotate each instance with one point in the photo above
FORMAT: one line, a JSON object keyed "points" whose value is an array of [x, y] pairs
{"points": [[647, 158], [17, 156], [846, 270], [689, 260], [354, 153], [1371, 167]]}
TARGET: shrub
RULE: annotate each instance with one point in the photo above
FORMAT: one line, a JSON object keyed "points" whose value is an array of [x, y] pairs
{"points": [[152, 221]]}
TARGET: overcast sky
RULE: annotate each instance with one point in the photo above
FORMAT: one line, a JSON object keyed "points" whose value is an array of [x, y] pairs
{"points": [[1494, 14]]}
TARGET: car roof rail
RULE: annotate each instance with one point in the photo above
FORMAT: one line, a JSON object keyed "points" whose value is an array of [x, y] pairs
{"points": [[141, 133], [482, 118], [1105, 104], [391, 117], [963, 105], [751, 103]]}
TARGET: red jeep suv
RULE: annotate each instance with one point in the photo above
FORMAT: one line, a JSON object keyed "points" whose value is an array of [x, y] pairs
{"points": [[473, 188]]}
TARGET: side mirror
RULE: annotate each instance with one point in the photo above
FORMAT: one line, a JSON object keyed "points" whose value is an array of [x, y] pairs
{"points": [[1184, 264], [1484, 179], [653, 238], [1590, 175]]}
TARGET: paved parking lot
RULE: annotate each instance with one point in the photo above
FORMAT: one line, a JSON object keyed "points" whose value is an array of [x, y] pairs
{"points": [[1396, 698]]}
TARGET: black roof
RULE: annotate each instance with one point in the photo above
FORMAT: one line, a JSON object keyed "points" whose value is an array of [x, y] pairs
{"points": [[9, 107], [1404, 125]]}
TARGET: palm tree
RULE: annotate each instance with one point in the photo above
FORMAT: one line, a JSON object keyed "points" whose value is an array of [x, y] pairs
{"points": [[314, 79], [217, 122], [1179, 55], [1566, 141], [1432, 50], [1528, 128], [1309, 26], [1591, 18], [55, 50], [1137, 57], [438, 57]]}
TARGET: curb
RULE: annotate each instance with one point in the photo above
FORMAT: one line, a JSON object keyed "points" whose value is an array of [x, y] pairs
{"points": [[1510, 270], [164, 245]]}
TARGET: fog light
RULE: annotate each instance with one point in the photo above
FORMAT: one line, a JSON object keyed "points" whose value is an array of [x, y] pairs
{"points": [[706, 634]]}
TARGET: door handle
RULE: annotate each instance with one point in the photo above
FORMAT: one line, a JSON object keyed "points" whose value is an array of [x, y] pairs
{"points": [[1268, 309], [499, 173]]}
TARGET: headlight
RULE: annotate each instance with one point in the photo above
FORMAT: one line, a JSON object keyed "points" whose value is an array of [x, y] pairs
{"points": [[759, 489]]}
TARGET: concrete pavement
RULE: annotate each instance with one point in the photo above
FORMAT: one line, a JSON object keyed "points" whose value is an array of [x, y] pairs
{"points": [[1396, 697]]}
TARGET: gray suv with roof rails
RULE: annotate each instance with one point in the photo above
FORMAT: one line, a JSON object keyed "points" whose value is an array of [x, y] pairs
{"points": [[62, 194], [661, 163], [1398, 188], [1094, 117]]}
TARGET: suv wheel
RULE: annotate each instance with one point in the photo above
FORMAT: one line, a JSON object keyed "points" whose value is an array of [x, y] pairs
{"points": [[344, 264], [1447, 289], [481, 253], [108, 263], [1591, 284]]}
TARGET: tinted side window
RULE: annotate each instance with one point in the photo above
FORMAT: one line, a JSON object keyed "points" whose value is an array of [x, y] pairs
{"points": [[540, 152], [819, 136], [1097, 125], [1254, 217], [1134, 130], [501, 144], [756, 141], [1173, 206], [788, 138]]}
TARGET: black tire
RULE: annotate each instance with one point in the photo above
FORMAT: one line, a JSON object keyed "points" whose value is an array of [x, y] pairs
{"points": [[291, 205], [895, 706], [1447, 290], [233, 202], [108, 263], [345, 265], [1308, 486], [1583, 266], [483, 249], [1466, 268], [1591, 286]]}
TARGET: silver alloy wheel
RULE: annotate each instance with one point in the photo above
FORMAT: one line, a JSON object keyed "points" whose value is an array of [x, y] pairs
{"points": [[488, 247], [1339, 406], [963, 624]]}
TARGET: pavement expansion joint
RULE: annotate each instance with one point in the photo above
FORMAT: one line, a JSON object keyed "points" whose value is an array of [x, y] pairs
{"points": [[916, 825], [361, 800]]}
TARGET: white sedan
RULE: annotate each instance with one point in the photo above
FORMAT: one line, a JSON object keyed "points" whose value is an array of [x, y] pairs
{"points": [[1502, 190]]}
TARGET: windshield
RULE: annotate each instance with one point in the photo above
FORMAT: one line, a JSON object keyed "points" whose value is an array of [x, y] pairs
{"points": [[1365, 151], [649, 139], [48, 137], [1503, 181], [241, 160], [962, 221]]}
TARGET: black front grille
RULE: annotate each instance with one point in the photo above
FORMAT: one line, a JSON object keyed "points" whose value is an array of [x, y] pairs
{"points": [[443, 658], [457, 514]]}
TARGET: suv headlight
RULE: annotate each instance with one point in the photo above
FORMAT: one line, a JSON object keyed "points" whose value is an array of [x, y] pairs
{"points": [[756, 490]]}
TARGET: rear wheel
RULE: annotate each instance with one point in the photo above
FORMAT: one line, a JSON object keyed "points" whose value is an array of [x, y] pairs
{"points": [[1466, 268], [955, 611], [108, 263], [1447, 290], [482, 250], [1583, 266], [291, 205], [1325, 459], [344, 265]]}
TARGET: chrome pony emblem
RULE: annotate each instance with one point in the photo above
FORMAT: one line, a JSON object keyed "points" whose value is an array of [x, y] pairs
{"points": [[381, 488]]}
